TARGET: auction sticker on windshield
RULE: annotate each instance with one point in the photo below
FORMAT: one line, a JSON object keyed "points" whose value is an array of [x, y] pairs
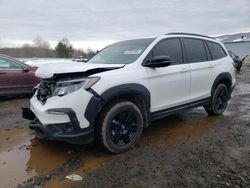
{"points": [[132, 52]]}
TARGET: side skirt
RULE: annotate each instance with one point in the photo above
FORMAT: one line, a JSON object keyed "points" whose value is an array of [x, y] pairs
{"points": [[162, 113]]}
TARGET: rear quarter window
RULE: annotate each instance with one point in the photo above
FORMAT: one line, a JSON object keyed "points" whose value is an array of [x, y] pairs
{"points": [[217, 52]]}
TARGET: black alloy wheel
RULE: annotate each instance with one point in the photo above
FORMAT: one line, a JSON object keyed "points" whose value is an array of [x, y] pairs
{"points": [[120, 126], [123, 128], [219, 100]]}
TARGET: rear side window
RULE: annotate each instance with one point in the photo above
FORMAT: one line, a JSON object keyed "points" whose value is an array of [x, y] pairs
{"points": [[171, 48], [216, 50], [195, 50]]}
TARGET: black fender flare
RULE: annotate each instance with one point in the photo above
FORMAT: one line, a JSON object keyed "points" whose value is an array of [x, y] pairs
{"points": [[219, 78], [97, 102]]}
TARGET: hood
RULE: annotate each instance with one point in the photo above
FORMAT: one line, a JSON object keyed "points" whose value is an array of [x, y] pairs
{"points": [[46, 61], [49, 70]]}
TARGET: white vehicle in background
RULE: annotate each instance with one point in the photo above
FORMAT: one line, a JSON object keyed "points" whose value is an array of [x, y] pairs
{"points": [[127, 85]]}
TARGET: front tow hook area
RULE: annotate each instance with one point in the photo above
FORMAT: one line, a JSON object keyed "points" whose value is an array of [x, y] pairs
{"points": [[28, 114]]}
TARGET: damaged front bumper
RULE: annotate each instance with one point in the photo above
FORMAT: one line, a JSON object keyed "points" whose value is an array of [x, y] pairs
{"points": [[69, 132]]}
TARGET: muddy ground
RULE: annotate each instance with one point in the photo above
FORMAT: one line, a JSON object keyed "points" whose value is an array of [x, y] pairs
{"points": [[188, 149]]}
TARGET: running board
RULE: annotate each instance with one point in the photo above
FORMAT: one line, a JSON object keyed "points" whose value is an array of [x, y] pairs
{"points": [[162, 113]]}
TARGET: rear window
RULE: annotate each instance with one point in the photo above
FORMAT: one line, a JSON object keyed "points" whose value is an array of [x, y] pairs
{"points": [[195, 50], [216, 50]]}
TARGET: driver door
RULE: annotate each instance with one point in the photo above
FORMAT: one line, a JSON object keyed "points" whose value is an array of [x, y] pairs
{"points": [[169, 86]]}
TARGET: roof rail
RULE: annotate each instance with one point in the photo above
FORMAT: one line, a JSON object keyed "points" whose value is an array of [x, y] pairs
{"points": [[192, 34]]}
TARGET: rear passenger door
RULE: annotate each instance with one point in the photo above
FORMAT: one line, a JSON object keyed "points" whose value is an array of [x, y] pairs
{"points": [[201, 66], [169, 85]]}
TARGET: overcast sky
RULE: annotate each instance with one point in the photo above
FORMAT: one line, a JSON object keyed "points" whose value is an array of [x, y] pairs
{"points": [[96, 23]]}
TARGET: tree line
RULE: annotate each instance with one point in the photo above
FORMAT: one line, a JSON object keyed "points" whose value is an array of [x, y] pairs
{"points": [[41, 48]]}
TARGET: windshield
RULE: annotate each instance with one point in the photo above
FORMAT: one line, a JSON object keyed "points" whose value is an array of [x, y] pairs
{"points": [[124, 52]]}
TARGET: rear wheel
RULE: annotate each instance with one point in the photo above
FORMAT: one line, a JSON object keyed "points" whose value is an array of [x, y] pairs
{"points": [[120, 126], [219, 100]]}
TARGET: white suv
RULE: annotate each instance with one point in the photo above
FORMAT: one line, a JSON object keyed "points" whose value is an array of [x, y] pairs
{"points": [[127, 85]]}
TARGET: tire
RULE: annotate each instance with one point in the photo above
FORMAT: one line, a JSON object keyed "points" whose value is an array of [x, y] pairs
{"points": [[120, 126], [219, 100]]}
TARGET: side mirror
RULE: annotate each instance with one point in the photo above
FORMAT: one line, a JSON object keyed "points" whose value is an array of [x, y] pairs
{"points": [[25, 69], [159, 61]]}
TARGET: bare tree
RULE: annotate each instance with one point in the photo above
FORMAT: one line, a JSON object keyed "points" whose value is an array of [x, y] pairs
{"points": [[39, 42], [65, 41], [41, 48]]}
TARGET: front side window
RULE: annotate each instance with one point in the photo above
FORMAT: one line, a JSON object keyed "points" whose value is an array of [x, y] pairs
{"points": [[171, 48], [195, 50], [124, 52], [216, 50], [8, 64]]}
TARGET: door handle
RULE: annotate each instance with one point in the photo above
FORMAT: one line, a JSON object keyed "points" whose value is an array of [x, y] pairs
{"points": [[184, 70], [2, 73]]}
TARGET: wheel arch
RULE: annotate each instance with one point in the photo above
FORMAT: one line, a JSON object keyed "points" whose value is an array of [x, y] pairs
{"points": [[224, 78], [136, 93]]}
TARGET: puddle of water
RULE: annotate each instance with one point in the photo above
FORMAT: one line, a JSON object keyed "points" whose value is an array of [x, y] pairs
{"points": [[47, 156], [92, 160], [10, 137], [13, 167], [22, 157], [178, 128]]}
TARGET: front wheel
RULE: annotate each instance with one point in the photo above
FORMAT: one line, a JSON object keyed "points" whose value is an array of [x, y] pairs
{"points": [[219, 100], [120, 126]]}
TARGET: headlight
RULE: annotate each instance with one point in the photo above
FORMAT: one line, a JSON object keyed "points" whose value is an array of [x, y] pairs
{"points": [[67, 87]]}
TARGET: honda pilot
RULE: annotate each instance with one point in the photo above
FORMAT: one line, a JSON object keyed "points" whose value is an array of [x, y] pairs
{"points": [[122, 89]]}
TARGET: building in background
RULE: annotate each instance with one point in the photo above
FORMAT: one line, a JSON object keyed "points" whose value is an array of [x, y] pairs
{"points": [[240, 48], [238, 43]]}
